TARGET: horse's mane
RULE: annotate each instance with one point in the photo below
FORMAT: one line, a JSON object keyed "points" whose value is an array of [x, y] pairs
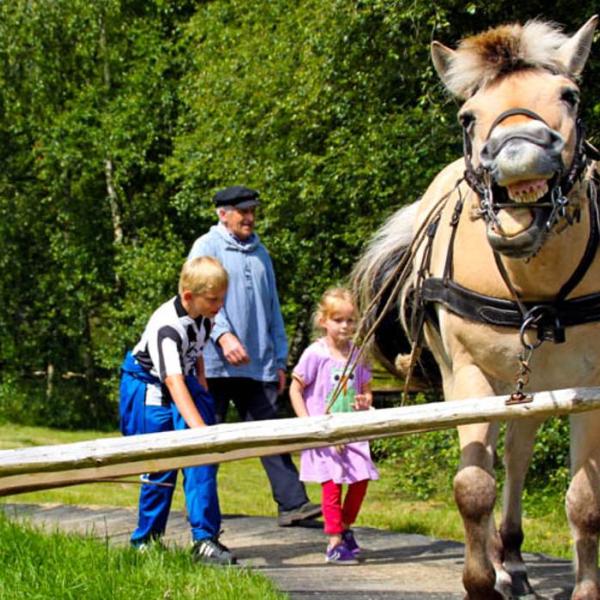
{"points": [[483, 58]]}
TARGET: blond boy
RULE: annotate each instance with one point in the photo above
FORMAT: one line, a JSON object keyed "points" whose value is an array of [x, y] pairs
{"points": [[163, 388]]}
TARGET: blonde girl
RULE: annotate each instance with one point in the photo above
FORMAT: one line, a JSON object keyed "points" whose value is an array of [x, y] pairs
{"points": [[314, 379]]}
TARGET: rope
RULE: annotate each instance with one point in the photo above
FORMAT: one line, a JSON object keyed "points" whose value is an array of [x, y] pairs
{"points": [[402, 271]]}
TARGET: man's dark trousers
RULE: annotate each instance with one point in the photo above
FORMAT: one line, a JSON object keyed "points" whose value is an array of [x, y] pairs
{"points": [[257, 401]]}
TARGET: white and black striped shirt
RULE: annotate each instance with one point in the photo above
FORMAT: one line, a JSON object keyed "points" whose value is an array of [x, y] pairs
{"points": [[172, 341]]}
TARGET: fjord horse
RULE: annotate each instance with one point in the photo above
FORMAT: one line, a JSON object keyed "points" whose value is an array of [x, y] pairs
{"points": [[495, 271]]}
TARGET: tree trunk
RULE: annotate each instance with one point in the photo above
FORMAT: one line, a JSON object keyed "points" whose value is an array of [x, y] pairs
{"points": [[109, 169]]}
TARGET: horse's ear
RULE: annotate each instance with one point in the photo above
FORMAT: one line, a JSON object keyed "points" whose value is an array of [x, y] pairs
{"points": [[442, 57], [574, 53]]}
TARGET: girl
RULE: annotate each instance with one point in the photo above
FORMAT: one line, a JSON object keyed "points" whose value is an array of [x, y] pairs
{"points": [[314, 380]]}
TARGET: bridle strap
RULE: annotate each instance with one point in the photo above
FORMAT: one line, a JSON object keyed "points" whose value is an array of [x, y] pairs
{"points": [[588, 256], [512, 112]]}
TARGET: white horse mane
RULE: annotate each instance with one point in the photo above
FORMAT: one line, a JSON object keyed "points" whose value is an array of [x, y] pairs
{"points": [[482, 58]]}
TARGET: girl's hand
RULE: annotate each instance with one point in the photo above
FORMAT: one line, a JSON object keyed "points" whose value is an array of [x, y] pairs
{"points": [[339, 448], [362, 401]]}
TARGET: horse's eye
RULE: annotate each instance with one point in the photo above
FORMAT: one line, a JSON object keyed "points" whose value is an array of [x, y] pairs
{"points": [[570, 97], [467, 121]]}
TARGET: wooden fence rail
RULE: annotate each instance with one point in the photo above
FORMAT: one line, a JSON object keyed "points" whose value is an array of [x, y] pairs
{"points": [[42, 467]]}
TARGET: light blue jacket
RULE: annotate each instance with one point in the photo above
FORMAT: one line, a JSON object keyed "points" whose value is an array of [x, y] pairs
{"points": [[251, 311]]}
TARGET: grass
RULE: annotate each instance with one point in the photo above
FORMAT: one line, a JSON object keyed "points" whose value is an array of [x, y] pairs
{"points": [[38, 566], [243, 489]]}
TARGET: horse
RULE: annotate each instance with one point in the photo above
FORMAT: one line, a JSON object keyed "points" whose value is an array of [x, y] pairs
{"points": [[494, 271]]}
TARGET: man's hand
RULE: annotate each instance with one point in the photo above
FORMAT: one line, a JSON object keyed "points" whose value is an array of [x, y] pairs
{"points": [[282, 381], [235, 354]]}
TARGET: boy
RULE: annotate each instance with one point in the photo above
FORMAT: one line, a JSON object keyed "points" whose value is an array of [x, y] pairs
{"points": [[163, 388]]}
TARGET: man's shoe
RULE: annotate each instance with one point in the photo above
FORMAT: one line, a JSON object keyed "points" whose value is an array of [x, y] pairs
{"points": [[307, 510], [210, 551]]}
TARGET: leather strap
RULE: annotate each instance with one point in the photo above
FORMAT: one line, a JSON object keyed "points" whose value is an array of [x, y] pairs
{"points": [[506, 313]]}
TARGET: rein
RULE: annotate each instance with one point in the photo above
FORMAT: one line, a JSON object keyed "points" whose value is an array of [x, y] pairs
{"points": [[398, 277]]}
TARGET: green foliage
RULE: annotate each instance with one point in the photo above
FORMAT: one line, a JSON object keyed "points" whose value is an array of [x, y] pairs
{"points": [[86, 120], [318, 106], [119, 119], [427, 463]]}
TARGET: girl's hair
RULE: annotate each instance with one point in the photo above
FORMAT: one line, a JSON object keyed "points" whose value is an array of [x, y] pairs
{"points": [[202, 274], [330, 301]]}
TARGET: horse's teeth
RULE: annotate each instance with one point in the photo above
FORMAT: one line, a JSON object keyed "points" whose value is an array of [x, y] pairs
{"points": [[526, 197]]}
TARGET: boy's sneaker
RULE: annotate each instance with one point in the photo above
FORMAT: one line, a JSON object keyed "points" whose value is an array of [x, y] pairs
{"points": [[211, 552], [350, 541], [150, 545], [305, 511], [340, 555]]}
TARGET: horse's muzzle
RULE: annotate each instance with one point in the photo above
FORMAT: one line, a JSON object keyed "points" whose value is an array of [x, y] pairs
{"points": [[528, 151]]}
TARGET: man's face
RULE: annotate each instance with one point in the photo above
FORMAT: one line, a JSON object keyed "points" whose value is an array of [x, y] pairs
{"points": [[239, 221]]}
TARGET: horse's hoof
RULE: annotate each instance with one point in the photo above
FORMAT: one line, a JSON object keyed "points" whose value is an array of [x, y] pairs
{"points": [[588, 590], [521, 588], [512, 582]]}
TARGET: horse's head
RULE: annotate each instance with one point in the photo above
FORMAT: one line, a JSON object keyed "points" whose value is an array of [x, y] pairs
{"points": [[522, 136]]}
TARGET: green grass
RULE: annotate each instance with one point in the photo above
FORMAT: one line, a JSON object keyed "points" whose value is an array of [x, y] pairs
{"points": [[243, 489], [38, 566]]}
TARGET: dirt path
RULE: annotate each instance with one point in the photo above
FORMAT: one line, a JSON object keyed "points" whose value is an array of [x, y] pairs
{"points": [[396, 566]]}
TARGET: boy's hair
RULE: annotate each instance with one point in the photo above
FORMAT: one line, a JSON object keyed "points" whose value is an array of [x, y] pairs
{"points": [[202, 274], [329, 303]]}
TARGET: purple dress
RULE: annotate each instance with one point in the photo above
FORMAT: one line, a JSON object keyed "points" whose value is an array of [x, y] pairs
{"points": [[320, 372]]}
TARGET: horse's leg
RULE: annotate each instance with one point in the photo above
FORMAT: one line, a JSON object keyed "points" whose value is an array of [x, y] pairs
{"points": [[583, 503], [475, 495], [519, 443], [475, 487]]}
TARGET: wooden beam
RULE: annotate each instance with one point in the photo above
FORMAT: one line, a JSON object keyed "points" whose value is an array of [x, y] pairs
{"points": [[42, 467]]}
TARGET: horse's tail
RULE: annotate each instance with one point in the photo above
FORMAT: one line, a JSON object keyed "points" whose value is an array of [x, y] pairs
{"points": [[376, 278]]}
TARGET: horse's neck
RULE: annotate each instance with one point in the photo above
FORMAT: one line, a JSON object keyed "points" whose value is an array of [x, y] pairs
{"points": [[539, 278]]}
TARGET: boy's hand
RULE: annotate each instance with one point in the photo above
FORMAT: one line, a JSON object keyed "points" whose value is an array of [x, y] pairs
{"points": [[362, 401], [183, 400], [233, 350]]}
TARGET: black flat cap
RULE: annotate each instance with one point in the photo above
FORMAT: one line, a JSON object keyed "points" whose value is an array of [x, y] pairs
{"points": [[236, 195]]}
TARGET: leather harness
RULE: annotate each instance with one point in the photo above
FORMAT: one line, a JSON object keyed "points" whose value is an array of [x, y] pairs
{"points": [[549, 318]]}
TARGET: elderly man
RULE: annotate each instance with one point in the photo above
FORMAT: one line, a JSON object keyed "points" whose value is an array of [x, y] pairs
{"points": [[247, 360]]}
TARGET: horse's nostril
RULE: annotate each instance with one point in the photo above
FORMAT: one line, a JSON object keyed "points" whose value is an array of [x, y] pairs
{"points": [[488, 152], [556, 142]]}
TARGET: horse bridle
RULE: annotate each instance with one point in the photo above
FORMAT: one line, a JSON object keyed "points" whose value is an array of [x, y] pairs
{"points": [[480, 180]]}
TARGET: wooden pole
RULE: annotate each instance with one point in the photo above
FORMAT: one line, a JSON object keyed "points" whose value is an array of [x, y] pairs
{"points": [[42, 467]]}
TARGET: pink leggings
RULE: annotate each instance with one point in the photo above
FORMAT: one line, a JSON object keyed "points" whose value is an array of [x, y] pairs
{"points": [[337, 514]]}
